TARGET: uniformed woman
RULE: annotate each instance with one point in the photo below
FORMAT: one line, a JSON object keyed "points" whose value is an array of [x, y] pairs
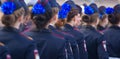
{"points": [[103, 19], [93, 38], [49, 46], [112, 34], [20, 47], [70, 42], [69, 27]]}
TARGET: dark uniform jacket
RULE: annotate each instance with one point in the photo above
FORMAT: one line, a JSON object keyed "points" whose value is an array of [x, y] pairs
{"points": [[71, 44], [80, 40], [49, 46], [20, 47], [95, 43], [3, 51], [112, 37]]}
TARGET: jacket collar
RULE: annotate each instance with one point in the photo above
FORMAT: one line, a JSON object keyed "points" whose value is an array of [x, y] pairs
{"points": [[90, 27], [51, 27], [67, 26], [10, 29], [115, 27]]}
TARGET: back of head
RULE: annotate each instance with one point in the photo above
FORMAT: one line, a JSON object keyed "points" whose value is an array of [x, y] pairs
{"points": [[12, 11], [89, 19], [41, 14], [86, 19], [8, 20], [92, 14], [114, 19]]}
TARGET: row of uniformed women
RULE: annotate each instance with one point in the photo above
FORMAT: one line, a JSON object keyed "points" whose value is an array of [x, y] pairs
{"points": [[50, 38]]}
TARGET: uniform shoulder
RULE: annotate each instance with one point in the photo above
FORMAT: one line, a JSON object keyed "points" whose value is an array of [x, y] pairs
{"points": [[58, 42], [57, 39], [26, 36]]}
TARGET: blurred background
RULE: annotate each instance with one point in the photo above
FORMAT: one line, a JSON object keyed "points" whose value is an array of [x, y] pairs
{"points": [[107, 3]]}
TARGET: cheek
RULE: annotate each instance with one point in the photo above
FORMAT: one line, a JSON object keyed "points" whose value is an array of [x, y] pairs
{"points": [[106, 20], [56, 17], [98, 21]]}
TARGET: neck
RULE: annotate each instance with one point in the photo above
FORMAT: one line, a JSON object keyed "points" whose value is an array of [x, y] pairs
{"points": [[115, 25], [16, 25], [93, 25], [70, 24]]}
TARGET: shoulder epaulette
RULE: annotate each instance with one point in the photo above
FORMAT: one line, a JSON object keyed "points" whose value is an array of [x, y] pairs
{"points": [[28, 37]]}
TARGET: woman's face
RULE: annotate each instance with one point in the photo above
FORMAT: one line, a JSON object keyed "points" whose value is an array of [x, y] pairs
{"points": [[77, 20], [105, 21], [98, 20], [1, 14], [56, 18]]}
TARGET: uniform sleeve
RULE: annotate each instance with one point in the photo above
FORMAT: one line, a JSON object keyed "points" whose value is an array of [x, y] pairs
{"points": [[62, 54], [3, 52], [30, 51], [102, 50], [69, 50], [75, 49], [82, 48]]}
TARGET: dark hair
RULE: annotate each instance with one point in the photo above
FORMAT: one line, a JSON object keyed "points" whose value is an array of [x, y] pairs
{"points": [[90, 18], [114, 18], [61, 22], [42, 20], [71, 14], [86, 19], [93, 18], [8, 20]]}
